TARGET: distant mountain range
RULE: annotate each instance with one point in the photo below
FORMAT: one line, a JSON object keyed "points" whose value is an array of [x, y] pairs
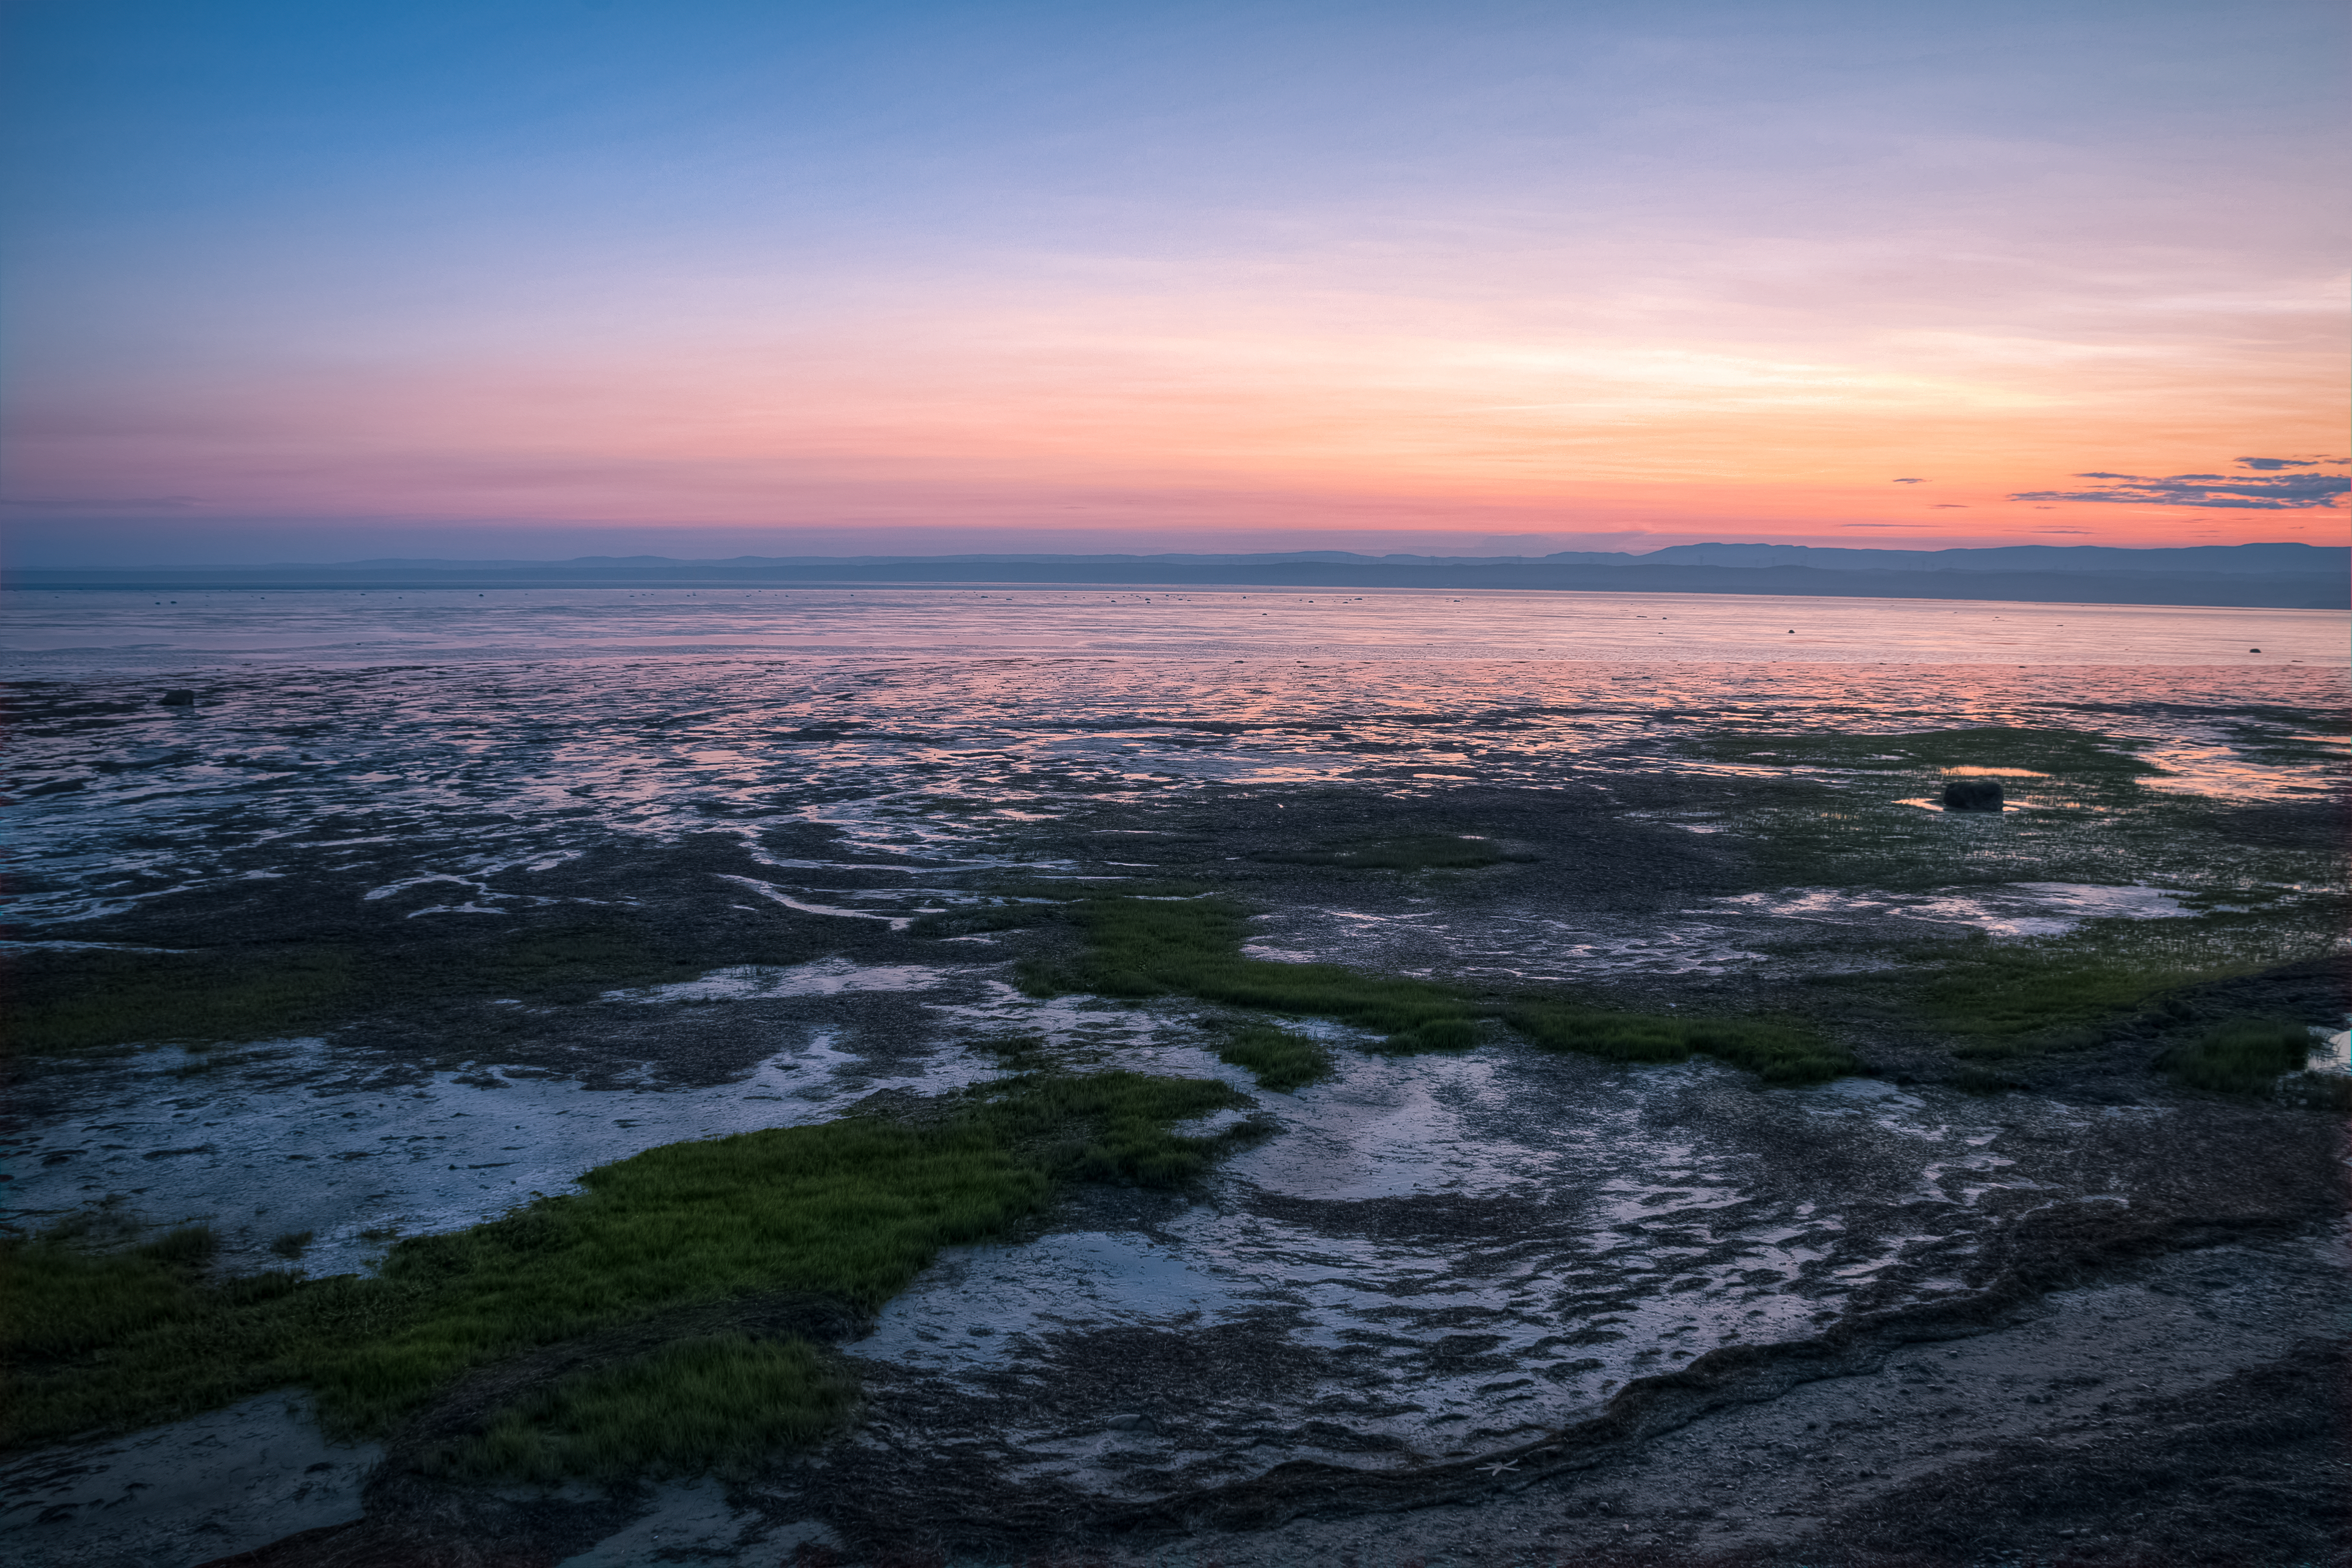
{"points": [[2255, 558], [2282, 575]]}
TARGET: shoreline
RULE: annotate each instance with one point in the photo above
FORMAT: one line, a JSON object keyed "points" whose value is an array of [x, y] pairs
{"points": [[1422, 1266]]}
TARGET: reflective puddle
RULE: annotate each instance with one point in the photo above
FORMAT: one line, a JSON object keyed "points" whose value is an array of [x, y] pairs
{"points": [[2012, 909], [1474, 1249]]}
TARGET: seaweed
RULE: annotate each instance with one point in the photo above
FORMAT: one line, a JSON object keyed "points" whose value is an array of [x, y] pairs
{"points": [[846, 1211]]}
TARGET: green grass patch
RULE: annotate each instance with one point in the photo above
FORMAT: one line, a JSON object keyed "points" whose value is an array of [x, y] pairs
{"points": [[2011, 999], [1419, 852], [1777, 1053], [64, 1308], [1281, 1060], [712, 1403], [1140, 948], [1982, 1080], [847, 1210], [2245, 1056], [58, 1301], [566, 964], [1846, 811], [74, 1001], [91, 1000]]}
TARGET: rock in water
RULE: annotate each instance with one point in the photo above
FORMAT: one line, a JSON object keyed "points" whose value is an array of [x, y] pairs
{"points": [[1972, 795], [178, 698]]}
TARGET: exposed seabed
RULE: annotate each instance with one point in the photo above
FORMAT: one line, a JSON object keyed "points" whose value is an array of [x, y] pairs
{"points": [[1497, 1305]]}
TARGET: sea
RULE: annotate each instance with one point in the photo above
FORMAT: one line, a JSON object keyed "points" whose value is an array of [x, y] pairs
{"points": [[547, 717]]}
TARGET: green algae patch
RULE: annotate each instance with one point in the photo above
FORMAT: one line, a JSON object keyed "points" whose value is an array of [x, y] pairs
{"points": [[73, 1002], [1142, 947], [2245, 1056], [845, 1211], [77, 1001], [58, 1301], [709, 1402], [849, 1209], [1864, 811], [566, 964], [99, 1339], [1280, 1060], [2011, 999], [1137, 948], [1777, 1053]]}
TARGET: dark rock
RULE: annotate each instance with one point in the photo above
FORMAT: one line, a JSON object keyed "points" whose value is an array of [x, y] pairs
{"points": [[180, 697], [1972, 795]]}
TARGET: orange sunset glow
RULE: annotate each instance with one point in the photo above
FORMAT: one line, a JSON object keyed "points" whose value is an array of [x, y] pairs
{"points": [[1854, 299]]}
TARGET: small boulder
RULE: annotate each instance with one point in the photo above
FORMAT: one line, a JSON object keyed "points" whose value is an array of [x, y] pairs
{"points": [[1972, 795], [180, 697]]}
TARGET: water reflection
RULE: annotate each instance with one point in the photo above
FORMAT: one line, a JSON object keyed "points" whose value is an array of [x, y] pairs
{"points": [[496, 765], [1477, 1243], [1262, 628], [1483, 1246]]}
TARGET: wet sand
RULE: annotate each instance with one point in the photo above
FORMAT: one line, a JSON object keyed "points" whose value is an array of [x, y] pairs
{"points": [[1499, 1305]]}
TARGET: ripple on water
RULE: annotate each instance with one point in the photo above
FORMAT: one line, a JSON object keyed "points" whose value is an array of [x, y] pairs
{"points": [[826, 977], [1483, 1246], [471, 762], [2012, 909], [285, 1140], [2331, 1051]]}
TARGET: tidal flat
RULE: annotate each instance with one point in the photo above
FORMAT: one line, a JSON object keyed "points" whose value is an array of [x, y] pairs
{"points": [[535, 1108]]}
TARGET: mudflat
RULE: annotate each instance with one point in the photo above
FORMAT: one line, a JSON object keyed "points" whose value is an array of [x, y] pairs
{"points": [[1059, 1109]]}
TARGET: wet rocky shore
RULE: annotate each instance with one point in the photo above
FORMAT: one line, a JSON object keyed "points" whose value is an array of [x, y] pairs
{"points": [[425, 950]]}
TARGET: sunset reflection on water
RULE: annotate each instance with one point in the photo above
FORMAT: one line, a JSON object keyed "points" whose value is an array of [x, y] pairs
{"points": [[90, 631], [910, 719]]}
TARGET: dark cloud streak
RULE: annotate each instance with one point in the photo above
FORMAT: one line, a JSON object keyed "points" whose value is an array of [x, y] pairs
{"points": [[2284, 492]]}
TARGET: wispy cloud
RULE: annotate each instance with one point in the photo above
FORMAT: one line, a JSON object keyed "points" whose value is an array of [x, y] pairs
{"points": [[2284, 492], [2268, 463], [1909, 481]]}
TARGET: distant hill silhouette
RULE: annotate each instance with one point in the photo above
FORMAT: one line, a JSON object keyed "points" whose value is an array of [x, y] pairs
{"points": [[2249, 558], [2281, 575]]}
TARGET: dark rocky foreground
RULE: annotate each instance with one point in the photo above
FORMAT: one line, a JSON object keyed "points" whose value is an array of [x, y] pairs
{"points": [[1505, 1306]]}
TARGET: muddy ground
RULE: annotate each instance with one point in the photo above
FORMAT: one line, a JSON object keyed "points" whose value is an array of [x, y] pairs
{"points": [[1496, 1306]]}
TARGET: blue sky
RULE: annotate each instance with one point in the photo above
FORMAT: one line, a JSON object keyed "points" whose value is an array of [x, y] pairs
{"points": [[1289, 268]]}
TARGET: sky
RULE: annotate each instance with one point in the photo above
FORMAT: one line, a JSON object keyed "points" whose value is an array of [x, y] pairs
{"points": [[324, 280]]}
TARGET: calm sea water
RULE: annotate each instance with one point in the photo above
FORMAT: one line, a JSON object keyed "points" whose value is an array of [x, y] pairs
{"points": [[94, 633]]}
